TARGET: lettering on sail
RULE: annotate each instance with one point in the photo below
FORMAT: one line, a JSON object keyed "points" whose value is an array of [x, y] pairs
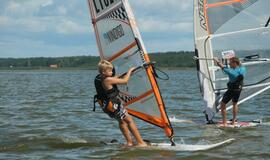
{"points": [[114, 34], [101, 5], [201, 14]]}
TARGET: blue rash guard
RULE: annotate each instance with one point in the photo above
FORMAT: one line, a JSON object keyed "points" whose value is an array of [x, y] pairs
{"points": [[233, 73]]}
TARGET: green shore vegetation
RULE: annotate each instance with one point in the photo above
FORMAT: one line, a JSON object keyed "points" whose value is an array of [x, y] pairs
{"points": [[181, 59]]}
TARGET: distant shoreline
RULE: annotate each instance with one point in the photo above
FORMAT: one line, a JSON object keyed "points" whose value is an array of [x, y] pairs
{"points": [[42, 68], [78, 68], [170, 60]]}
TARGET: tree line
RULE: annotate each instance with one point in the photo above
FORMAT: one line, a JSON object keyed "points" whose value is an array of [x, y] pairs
{"points": [[167, 59]]}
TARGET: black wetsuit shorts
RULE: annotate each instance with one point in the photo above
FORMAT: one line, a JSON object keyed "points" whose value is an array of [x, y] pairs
{"points": [[231, 94]]}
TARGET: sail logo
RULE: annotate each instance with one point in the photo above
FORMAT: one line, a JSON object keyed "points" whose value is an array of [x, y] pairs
{"points": [[101, 5], [114, 34], [201, 14]]}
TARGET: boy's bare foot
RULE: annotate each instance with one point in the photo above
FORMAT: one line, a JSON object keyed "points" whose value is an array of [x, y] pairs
{"points": [[143, 144], [233, 122], [224, 125], [129, 144]]}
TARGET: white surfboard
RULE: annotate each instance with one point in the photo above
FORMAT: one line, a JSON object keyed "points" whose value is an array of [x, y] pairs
{"points": [[177, 147], [240, 124], [188, 147]]}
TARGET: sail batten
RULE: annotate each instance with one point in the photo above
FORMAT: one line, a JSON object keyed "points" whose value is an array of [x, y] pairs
{"points": [[124, 50], [224, 3]]}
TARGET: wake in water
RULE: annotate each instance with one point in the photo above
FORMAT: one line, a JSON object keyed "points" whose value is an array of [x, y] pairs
{"points": [[72, 139], [175, 120], [36, 142]]}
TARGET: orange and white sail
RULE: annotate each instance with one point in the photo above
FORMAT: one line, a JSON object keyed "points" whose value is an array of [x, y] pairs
{"points": [[231, 27], [119, 42]]}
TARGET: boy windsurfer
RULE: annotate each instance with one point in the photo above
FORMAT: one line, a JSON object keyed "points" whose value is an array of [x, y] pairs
{"points": [[112, 103]]}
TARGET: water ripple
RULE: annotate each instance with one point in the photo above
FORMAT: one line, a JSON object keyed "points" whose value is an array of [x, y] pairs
{"points": [[48, 115]]}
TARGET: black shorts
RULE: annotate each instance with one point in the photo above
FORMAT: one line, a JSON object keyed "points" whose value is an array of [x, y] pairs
{"points": [[231, 95]]}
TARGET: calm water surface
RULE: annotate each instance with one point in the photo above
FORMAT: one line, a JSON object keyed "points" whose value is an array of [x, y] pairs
{"points": [[47, 115]]}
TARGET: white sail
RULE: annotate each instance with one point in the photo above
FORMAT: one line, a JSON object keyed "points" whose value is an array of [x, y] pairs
{"points": [[119, 42], [241, 26]]}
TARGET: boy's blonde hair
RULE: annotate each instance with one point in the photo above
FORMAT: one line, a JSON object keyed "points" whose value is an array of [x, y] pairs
{"points": [[104, 65]]}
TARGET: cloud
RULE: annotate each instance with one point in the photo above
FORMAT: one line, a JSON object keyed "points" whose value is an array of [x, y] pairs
{"points": [[164, 16], [63, 27], [176, 10], [165, 25], [47, 3], [161, 45], [4, 21], [26, 7], [62, 10], [70, 27], [13, 6], [58, 25], [30, 25], [43, 16], [151, 25], [38, 48], [181, 5]]}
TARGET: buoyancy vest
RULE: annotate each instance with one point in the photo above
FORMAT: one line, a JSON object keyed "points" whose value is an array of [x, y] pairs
{"points": [[108, 99], [237, 85]]}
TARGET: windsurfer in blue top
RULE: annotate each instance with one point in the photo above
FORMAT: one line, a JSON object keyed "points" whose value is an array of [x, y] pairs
{"points": [[236, 76]]}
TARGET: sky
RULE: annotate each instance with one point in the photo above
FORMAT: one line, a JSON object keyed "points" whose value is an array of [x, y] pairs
{"points": [[56, 28]]}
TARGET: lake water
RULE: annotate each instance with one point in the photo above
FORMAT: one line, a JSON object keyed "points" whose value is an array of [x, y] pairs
{"points": [[48, 115]]}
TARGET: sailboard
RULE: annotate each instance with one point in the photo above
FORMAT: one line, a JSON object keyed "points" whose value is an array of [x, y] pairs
{"points": [[119, 41], [188, 147], [225, 28], [177, 147], [240, 124]]}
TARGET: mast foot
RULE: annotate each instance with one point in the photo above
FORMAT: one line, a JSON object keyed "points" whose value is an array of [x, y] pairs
{"points": [[172, 141]]}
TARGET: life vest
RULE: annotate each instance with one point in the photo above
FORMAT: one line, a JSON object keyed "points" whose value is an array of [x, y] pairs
{"points": [[107, 99], [237, 85]]}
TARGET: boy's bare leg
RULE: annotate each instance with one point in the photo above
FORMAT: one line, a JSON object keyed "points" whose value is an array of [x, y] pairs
{"points": [[125, 131], [235, 111], [134, 130], [224, 114]]}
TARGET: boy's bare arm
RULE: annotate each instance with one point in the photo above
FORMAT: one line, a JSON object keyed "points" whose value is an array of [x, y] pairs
{"points": [[117, 80]]}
